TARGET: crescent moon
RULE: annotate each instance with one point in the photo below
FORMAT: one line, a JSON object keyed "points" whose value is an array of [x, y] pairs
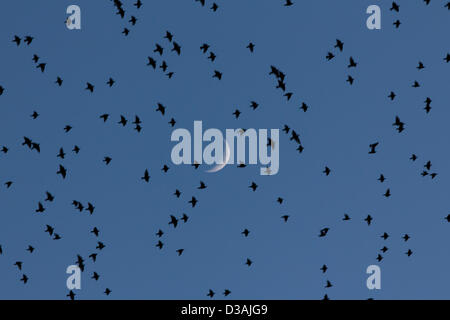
{"points": [[227, 158]]}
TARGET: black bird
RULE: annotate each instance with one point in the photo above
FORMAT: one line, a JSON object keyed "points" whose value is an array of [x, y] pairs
{"points": [[368, 219], [384, 249], [202, 185], [324, 268], [24, 279], [62, 171], [161, 108], [163, 66], [133, 20], [350, 80], [217, 75], [193, 202], [427, 165], [204, 47], [237, 113], [160, 245], [93, 256], [34, 115], [226, 292], [107, 291], [304, 107], [100, 245], [397, 23], [151, 62], [328, 285], [49, 229], [138, 4], [67, 128], [339, 44], [90, 208], [107, 160], [185, 218], [212, 56], [409, 253], [253, 186], [406, 237], [172, 122], [18, 264], [160, 233], [40, 208], [76, 149], [246, 232], [122, 121], [413, 157], [392, 95], [327, 171], [373, 147], [416, 84], [1, 90], [35, 58], [17, 40], [176, 48], [177, 193], [165, 168], [387, 194], [173, 221], [447, 218], [447, 57], [288, 3], [395, 7], [210, 292], [324, 232], [381, 178], [104, 116], [285, 217], [89, 87], [8, 184], [168, 36], [95, 276], [280, 200], [30, 249], [146, 176], [420, 66], [41, 66], [4, 149], [249, 262], [59, 81], [295, 137], [110, 82], [95, 231], [251, 47], [159, 49], [352, 64], [379, 257], [180, 252], [346, 217], [329, 56]]}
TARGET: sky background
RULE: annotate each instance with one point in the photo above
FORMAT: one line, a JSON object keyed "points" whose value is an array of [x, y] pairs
{"points": [[336, 132]]}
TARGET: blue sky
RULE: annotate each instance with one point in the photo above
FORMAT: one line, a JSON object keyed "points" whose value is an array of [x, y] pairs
{"points": [[336, 132]]}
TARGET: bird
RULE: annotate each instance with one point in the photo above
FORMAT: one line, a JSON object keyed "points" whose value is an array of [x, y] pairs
{"points": [[100, 245], [18, 264], [392, 95], [368, 219], [350, 80], [324, 232], [168, 36], [385, 236], [251, 47], [248, 262], [185, 218], [381, 178], [151, 62], [173, 221], [107, 160], [395, 7], [62, 171], [387, 194], [161, 108], [210, 293], [204, 47], [406, 237], [17, 40], [324, 268], [420, 66], [217, 74], [237, 113], [95, 276], [352, 63], [202, 185], [24, 279], [90, 208], [327, 171], [193, 201], [180, 252], [212, 56], [59, 81], [339, 44], [146, 176], [160, 233], [285, 217], [133, 20], [95, 231], [226, 292], [346, 217], [40, 208], [397, 23], [30, 249], [176, 48], [329, 56], [110, 82], [71, 295], [253, 186], [373, 148], [409, 253], [89, 87], [328, 285], [246, 232], [107, 291], [41, 66]]}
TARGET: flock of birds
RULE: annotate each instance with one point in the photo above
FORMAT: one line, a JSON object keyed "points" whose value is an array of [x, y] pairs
{"points": [[157, 62]]}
